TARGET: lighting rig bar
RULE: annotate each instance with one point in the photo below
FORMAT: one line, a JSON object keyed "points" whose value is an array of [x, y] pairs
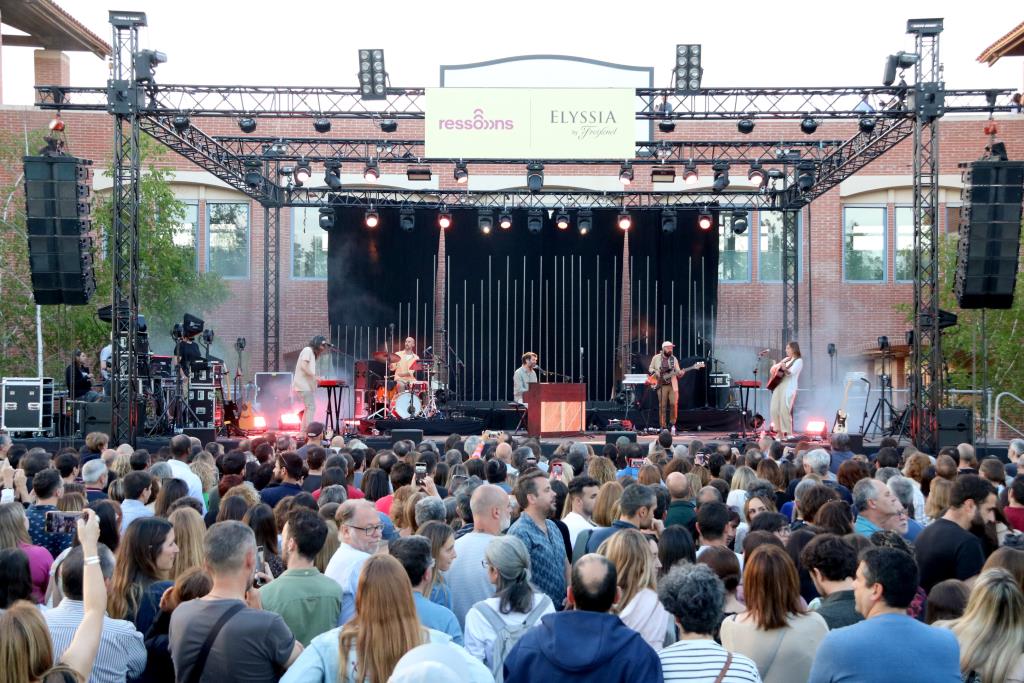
{"points": [[408, 103]]}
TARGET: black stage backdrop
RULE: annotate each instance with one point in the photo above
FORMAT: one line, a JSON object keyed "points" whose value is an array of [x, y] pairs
{"points": [[556, 293]]}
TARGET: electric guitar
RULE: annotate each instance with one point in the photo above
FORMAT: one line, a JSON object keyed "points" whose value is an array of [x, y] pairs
{"points": [[655, 380], [841, 416]]}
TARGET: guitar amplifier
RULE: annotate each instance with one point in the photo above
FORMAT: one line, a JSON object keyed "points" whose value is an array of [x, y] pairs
{"points": [[201, 400], [27, 404]]}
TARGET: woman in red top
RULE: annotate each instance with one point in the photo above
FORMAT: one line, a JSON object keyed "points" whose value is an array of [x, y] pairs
{"points": [[1015, 510]]}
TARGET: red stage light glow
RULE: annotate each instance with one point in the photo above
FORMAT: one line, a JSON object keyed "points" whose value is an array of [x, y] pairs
{"points": [[259, 422], [290, 420], [815, 426]]}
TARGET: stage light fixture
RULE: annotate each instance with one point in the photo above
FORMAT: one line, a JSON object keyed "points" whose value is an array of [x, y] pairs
{"points": [[372, 75], [688, 71], [535, 177], [485, 221], [756, 175], [816, 427], [705, 221], [444, 220], [805, 175], [867, 124], [624, 221], [668, 221], [371, 218], [831, 349], [326, 217], [388, 125], [808, 125], [461, 173], [666, 125], [181, 123], [322, 125], [247, 124], [584, 221], [745, 126], [562, 220], [663, 174], [57, 124], [740, 222], [418, 173], [505, 220], [302, 173], [626, 173], [332, 177], [690, 174], [146, 62], [721, 174], [898, 62], [535, 221], [371, 173], [253, 178], [407, 220]]}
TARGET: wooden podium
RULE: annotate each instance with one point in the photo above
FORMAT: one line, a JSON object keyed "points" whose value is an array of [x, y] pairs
{"points": [[556, 409]]}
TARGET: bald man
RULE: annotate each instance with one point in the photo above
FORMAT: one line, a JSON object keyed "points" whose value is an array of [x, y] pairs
{"points": [[503, 452], [467, 578], [683, 508]]}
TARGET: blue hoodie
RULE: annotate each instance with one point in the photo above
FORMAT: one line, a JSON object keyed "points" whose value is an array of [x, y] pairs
{"points": [[582, 646]]}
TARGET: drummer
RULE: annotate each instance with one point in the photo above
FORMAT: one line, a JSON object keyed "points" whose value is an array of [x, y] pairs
{"points": [[406, 366]]}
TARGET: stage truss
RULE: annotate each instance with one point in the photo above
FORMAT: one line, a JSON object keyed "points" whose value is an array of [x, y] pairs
{"points": [[251, 164]]}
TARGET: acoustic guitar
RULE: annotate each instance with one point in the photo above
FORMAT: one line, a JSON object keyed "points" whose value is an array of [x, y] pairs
{"points": [[778, 374], [655, 380]]}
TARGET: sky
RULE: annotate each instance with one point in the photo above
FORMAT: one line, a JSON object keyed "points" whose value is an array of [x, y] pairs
{"points": [[746, 43]]}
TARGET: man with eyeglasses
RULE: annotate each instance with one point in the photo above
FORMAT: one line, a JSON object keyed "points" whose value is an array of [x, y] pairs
{"points": [[359, 530]]}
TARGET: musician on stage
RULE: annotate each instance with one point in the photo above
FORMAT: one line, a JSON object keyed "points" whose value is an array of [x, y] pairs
{"points": [[665, 369], [187, 353], [78, 379], [305, 379], [784, 395], [524, 376], [404, 368]]}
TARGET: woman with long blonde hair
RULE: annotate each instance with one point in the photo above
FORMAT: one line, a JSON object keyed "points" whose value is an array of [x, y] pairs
{"points": [[606, 508], [385, 627], [602, 469], [637, 576], [189, 531], [991, 631]]}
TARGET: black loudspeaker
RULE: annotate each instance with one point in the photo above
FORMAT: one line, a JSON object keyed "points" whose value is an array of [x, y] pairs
{"points": [[414, 435], [856, 443], [956, 426], [92, 417], [204, 435], [612, 437], [57, 207], [986, 264]]}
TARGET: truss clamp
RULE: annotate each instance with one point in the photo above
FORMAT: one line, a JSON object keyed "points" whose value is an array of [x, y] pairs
{"points": [[928, 100], [124, 97]]}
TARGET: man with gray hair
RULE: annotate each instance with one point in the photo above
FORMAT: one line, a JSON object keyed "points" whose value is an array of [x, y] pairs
{"points": [[250, 644], [636, 511], [709, 494], [877, 508], [429, 509], [94, 476], [841, 452], [903, 489], [1015, 456], [816, 462]]}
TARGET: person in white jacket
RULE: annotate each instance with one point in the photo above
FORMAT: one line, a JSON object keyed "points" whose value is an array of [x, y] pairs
{"points": [[639, 607]]}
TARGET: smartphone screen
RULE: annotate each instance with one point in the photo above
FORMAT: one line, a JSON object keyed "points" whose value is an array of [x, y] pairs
{"points": [[261, 566], [556, 470], [421, 472], [61, 522]]}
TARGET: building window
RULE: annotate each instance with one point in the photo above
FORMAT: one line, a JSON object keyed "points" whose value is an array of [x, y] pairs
{"points": [[953, 219], [733, 251], [309, 244], [228, 228], [769, 257], [186, 233], [864, 244], [904, 243]]}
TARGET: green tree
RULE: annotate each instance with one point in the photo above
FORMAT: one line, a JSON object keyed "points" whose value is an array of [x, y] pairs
{"points": [[169, 283]]}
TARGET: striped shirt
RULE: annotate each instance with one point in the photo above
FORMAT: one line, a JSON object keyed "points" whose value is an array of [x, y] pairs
{"points": [[700, 661], [122, 653]]}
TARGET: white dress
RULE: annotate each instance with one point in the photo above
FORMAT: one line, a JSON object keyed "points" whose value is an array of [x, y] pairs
{"points": [[784, 397]]}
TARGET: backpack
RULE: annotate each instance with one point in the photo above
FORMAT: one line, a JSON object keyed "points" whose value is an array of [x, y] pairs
{"points": [[507, 635], [580, 549]]}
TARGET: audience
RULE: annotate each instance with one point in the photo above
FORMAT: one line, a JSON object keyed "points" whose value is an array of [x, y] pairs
{"points": [[467, 577], [638, 605], [543, 540], [414, 554], [947, 548], [142, 572], [832, 563]]}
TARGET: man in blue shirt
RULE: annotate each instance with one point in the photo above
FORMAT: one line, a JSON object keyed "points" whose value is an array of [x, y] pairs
{"points": [[48, 487], [877, 508], [888, 645], [636, 511], [414, 554], [548, 562], [289, 471]]}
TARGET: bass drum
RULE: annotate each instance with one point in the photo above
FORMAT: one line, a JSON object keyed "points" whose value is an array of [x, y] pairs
{"points": [[407, 405]]}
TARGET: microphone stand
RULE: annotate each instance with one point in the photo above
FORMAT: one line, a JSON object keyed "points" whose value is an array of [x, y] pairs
{"points": [[867, 400]]}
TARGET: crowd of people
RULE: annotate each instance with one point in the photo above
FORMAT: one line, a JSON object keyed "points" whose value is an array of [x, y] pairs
{"points": [[486, 559]]}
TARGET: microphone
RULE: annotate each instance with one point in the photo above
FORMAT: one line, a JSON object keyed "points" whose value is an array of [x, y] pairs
{"points": [[428, 349]]}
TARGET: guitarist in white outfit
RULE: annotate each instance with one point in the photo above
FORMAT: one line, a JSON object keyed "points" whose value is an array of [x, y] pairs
{"points": [[784, 394]]}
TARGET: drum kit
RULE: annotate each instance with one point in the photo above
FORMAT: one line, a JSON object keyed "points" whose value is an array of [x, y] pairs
{"points": [[405, 399]]}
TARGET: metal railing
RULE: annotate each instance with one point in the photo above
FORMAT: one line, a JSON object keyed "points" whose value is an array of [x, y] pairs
{"points": [[997, 415]]}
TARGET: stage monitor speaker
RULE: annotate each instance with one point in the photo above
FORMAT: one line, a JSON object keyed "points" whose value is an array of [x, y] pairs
{"points": [[57, 207], [956, 426], [986, 264], [206, 435], [856, 443], [414, 435], [612, 437]]}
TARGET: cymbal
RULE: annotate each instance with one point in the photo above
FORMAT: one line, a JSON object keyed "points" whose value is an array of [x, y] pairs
{"points": [[382, 356]]}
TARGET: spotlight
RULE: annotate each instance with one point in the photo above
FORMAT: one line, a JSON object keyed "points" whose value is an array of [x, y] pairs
{"points": [[899, 61], [562, 220], [444, 220], [181, 123], [816, 427], [663, 174], [371, 218], [666, 125], [326, 217], [418, 173], [705, 221], [668, 221], [332, 177], [505, 220], [535, 221], [805, 175], [721, 171], [867, 124], [626, 173], [322, 125], [745, 126], [461, 173], [485, 221], [247, 124], [831, 348], [388, 125], [146, 62], [883, 343], [407, 220], [739, 222], [690, 174], [688, 71], [302, 172], [808, 125], [624, 221], [371, 173], [756, 175], [535, 177], [372, 76], [584, 221], [253, 178], [57, 124]]}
